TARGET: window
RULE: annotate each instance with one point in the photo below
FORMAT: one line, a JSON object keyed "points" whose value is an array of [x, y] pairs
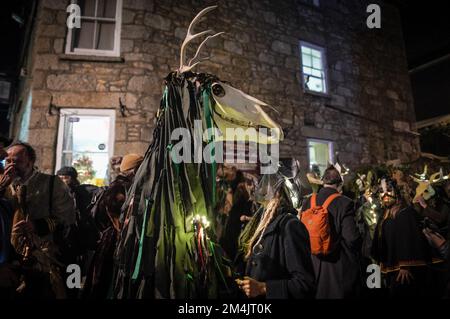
{"points": [[99, 33], [313, 67], [320, 154], [86, 142]]}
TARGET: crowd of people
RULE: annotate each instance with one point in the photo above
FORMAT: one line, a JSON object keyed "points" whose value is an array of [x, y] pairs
{"points": [[326, 247], [283, 242], [51, 221]]}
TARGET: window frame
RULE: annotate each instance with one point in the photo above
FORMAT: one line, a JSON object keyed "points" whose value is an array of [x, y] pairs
{"points": [[321, 141], [93, 52], [111, 113], [323, 52]]}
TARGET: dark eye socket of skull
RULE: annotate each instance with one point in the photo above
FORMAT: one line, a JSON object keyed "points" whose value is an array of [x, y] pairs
{"points": [[218, 90]]}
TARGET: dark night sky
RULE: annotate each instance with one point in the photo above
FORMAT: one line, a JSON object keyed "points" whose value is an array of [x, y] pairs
{"points": [[426, 27], [10, 35]]}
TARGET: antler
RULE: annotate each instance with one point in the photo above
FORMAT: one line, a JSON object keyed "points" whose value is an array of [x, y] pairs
{"points": [[423, 176], [191, 36], [438, 177], [343, 170], [419, 181]]}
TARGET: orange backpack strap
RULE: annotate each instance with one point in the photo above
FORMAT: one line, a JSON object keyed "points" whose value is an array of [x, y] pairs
{"points": [[330, 199], [313, 200]]}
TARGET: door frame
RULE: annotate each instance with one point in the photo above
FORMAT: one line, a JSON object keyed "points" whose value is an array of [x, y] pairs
{"points": [[111, 113]]}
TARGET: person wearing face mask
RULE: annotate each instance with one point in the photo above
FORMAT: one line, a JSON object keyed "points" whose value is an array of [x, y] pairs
{"points": [[399, 247], [278, 252], [431, 202]]}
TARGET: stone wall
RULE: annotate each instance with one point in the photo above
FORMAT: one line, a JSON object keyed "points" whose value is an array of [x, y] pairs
{"points": [[367, 112]]}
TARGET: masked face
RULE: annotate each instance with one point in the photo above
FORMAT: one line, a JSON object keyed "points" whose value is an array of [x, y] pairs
{"points": [[388, 196], [425, 190], [428, 193]]}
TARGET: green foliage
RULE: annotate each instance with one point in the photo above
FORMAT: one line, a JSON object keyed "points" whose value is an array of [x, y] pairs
{"points": [[84, 167]]}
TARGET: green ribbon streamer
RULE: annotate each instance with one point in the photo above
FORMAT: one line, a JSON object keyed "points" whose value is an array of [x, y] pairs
{"points": [[207, 109], [211, 247], [141, 244]]}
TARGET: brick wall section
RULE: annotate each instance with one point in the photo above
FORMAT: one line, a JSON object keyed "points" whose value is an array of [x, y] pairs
{"points": [[259, 54]]}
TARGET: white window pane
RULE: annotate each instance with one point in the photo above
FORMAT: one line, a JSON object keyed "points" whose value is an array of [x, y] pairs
{"points": [[87, 8], [315, 84], [84, 36], [105, 38], [307, 70], [67, 159], [106, 8], [316, 53], [306, 50], [317, 73], [307, 60], [317, 63], [89, 132], [319, 154]]}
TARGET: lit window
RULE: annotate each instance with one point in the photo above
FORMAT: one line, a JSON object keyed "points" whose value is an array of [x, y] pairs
{"points": [[99, 33], [86, 141], [313, 67], [320, 154]]}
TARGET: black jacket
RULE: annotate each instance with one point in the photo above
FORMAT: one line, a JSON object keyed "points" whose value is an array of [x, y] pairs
{"points": [[282, 259], [338, 274], [399, 242]]}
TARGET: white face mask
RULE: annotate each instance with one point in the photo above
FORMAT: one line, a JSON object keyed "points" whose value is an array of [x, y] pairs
{"points": [[428, 193]]}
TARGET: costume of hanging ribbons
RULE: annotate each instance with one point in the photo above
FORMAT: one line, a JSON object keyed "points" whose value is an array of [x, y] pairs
{"points": [[166, 247]]}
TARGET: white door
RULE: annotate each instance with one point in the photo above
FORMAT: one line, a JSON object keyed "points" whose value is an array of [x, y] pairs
{"points": [[86, 142]]}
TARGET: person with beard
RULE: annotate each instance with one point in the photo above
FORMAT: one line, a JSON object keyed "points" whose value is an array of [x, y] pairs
{"points": [[43, 214], [399, 247], [101, 271], [8, 275]]}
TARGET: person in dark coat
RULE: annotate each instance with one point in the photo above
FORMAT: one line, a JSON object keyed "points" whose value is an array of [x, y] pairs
{"points": [[101, 270], [278, 255], [399, 246], [338, 273], [242, 206]]}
